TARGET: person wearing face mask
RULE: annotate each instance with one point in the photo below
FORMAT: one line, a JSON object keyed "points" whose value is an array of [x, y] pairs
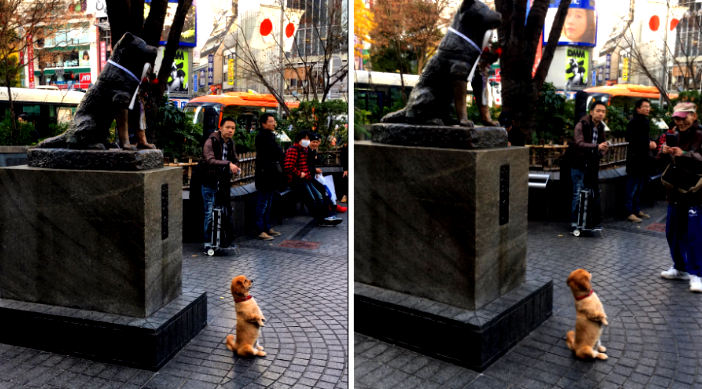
{"points": [[683, 227], [300, 179]]}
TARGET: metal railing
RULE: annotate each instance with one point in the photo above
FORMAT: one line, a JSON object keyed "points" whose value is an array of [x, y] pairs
{"points": [[247, 164], [548, 157]]}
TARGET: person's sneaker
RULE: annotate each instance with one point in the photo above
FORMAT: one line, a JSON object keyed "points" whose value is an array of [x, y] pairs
{"points": [[343, 199], [273, 233], [264, 236], [675, 274], [643, 215], [695, 284], [633, 218], [341, 209]]}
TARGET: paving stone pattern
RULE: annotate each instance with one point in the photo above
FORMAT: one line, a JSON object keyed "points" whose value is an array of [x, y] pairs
{"points": [[652, 340], [302, 293]]}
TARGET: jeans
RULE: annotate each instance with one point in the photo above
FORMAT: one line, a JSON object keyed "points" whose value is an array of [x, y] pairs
{"points": [[325, 196], [633, 195], [583, 180], [208, 198], [683, 229], [263, 212], [312, 199]]}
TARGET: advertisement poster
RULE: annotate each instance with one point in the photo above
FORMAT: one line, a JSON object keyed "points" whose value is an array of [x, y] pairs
{"points": [[178, 80], [187, 37], [577, 61], [230, 72], [580, 26]]}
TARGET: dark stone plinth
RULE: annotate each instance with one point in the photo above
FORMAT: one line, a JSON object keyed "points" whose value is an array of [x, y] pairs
{"points": [[113, 159], [97, 240], [451, 137], [444, 224], [471, 338], [144, 343]]}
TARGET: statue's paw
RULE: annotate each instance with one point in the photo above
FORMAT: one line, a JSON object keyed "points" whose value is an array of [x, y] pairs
{"points": [[466, 123], [145, 146], [95, 146], [129, 147], [57, 142]]}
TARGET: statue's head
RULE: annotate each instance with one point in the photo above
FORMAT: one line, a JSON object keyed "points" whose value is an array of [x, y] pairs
{"points": [[474, 18], [132, 53]]}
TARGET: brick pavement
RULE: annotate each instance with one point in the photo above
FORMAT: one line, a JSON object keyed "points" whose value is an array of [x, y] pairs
{"points": [[652, 340], [303, 294]]}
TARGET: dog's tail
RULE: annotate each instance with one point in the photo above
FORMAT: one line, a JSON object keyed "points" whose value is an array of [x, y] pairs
{"points": [[395, 117], [230, 342], [57, 142]]}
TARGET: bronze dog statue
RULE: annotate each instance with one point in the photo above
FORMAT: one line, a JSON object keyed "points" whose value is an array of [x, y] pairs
{"points": [[445, 77]]}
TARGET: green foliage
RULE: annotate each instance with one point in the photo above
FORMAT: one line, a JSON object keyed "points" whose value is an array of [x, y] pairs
{"points": [[245, 141], [326, 119], [56, 129], [658, 115], [176, 134], [11, 137], [378, 113], [616, 121], [385, 59], [361, 117], [554, 116], [233, 111], [10, 69]]}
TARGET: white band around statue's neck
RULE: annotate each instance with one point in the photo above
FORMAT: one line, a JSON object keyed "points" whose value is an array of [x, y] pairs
{"points": [[486, 39], [111, 62]]}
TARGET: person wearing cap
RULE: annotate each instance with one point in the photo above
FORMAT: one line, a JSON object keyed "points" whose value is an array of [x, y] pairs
{"points": [[514, 138], [637, 159], [590, 145], [683, 227]]}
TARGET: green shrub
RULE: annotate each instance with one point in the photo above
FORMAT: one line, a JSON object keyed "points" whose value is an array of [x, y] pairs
{"points": [[21, 136], [324, 118], [176, 134]]}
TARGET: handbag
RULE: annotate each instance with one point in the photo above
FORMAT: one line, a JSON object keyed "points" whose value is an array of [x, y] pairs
{"points": [[680, 175]]}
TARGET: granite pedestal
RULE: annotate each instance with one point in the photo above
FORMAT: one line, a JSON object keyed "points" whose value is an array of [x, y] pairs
{"points": [[98, 240], [445, 225]]}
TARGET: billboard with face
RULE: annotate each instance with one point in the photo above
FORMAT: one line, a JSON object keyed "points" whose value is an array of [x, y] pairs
{"points": [[187, 37], [580, 26]]}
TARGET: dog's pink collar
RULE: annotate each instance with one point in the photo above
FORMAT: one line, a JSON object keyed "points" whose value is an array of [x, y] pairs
{"points": [[242, 300], [577, 298]]}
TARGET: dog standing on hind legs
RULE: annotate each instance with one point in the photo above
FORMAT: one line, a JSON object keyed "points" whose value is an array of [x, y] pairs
{"points": [[590, 318], [249, 320]]}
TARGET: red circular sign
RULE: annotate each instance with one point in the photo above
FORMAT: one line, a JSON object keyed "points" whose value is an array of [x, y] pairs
{"points": [[654, 23], [673, 24], [289, 30], [266, 27]]}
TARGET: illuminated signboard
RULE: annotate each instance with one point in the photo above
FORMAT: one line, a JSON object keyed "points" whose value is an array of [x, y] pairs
{"points": [[580, 26], [188, 37]]}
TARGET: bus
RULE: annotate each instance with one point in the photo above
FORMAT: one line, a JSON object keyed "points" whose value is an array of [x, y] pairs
{"points": [[374, 91], [623, 96], [42, 106], [209, 110]]}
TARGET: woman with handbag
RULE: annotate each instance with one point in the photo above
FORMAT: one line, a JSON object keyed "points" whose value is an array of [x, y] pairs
{"points": [[682, 154]]}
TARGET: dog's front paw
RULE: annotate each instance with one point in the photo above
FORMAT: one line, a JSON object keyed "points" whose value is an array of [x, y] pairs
{"points": [[602, 356], [601, 349]]}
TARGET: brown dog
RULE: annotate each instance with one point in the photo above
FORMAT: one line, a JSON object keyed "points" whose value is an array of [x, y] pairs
{"points": [[589, 319], [249, 320]]}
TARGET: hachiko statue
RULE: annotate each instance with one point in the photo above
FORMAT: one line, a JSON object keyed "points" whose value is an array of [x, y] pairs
{"points": [[113, 92], [445, 77]]}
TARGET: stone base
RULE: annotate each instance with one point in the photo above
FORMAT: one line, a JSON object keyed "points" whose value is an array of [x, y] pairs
{"points": [[143, 343], [96, 240], [444, 224], [470, 338], [113, 159], [451, 137]]}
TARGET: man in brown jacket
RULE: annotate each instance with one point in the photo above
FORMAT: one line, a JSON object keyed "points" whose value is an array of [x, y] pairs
{"points": [[684, 223], [590, 145], [221, 161]]}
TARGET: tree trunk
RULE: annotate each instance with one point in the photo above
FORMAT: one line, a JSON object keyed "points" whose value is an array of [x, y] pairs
{"points": [[173, 43]]}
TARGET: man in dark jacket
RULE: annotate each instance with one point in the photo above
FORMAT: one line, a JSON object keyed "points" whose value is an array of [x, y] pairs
{"points": [[637, 159], [590, 145], [683, 228], [221, 161], [269, 156]]}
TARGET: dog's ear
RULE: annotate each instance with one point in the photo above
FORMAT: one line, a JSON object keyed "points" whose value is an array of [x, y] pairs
{"points": [[467, 4], [238, 285]]}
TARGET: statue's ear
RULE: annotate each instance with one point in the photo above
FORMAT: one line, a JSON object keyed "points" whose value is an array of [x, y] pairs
{"points": [[467, 4]]}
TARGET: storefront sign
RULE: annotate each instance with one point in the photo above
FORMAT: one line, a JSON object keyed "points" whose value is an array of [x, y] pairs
{"points": [[230, 72], [625, 69], [103, 55], [210, 69], [195, 82], [608, 66], [30, 60]]}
